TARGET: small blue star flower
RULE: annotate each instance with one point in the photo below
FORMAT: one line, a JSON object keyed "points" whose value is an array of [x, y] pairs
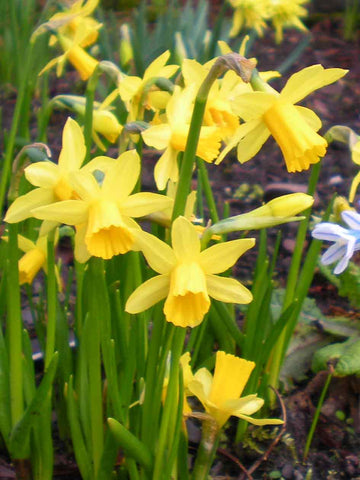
{"points": [[347, 240]]}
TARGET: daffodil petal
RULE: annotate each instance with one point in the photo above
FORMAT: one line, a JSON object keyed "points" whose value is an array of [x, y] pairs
{"points": [[310, 117], [21, 208], [252, 105], [227, 290], [308, 80], [42, 174], [260, 421], [166, 169], [128, 87], [158, 254], [156, 65], [101, 163], [73, 149], [252, 142], [220, 257], [244, 406], [85, 185], [147, 294], [70, 212], [81, 252], [157, 136], [25, 244], [120, 181], [200, 386], [185, 239], [354, 186], [141, 204]]}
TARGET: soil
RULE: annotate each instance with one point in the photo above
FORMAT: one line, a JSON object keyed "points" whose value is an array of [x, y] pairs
{"points": [[335, 450]]}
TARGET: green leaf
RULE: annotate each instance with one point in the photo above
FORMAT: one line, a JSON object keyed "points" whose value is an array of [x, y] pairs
{"points": [[345, 356], [21, 430]]}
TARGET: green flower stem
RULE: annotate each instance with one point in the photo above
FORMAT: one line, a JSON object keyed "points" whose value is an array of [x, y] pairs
{"points": [[207, 449], [258, 84], [218, 68], [96, 271], [6, 168], [88, 121], [207, 190], [168, 423], [51, 300], [14, 329]]}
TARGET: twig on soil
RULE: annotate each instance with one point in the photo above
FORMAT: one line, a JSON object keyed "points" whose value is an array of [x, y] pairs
{"points": [[236, 461], [266, 455]]}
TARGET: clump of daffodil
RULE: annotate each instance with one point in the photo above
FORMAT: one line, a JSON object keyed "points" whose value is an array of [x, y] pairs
{"points": [[343, 134], [249, 14], [172, 137], [104, 122], [140, 93], [53, 180], [188, 276], [103, 214], [286, 13], [77, 18], [268, 112], [220, 393]]}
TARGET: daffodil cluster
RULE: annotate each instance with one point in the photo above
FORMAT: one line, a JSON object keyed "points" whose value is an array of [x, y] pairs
{"points": [[253, 15]]}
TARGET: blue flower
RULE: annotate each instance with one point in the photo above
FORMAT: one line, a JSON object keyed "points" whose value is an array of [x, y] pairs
{"points": [[347, 240]]}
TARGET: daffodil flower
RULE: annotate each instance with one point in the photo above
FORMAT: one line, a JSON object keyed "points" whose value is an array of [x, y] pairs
{"points": [[84, 63], [294, 128], [188, 277], [218, 110], [286, 13], [221, 394], [103, 214], [347, 240], [136, 92], [249, 14], [74, 19], [172, 137], [53, 180]]}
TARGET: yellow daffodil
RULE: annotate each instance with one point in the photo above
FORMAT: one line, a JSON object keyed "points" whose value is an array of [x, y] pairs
{"points": [[294, 128], [104, 214], [172, 137], [187, 378], [104, 121], [84, 63], [218, 110], [221, 394], [53, 180], [188, 276], [75, 19], [249, 14], [34, 258], [286, 13], [137, 92]]}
